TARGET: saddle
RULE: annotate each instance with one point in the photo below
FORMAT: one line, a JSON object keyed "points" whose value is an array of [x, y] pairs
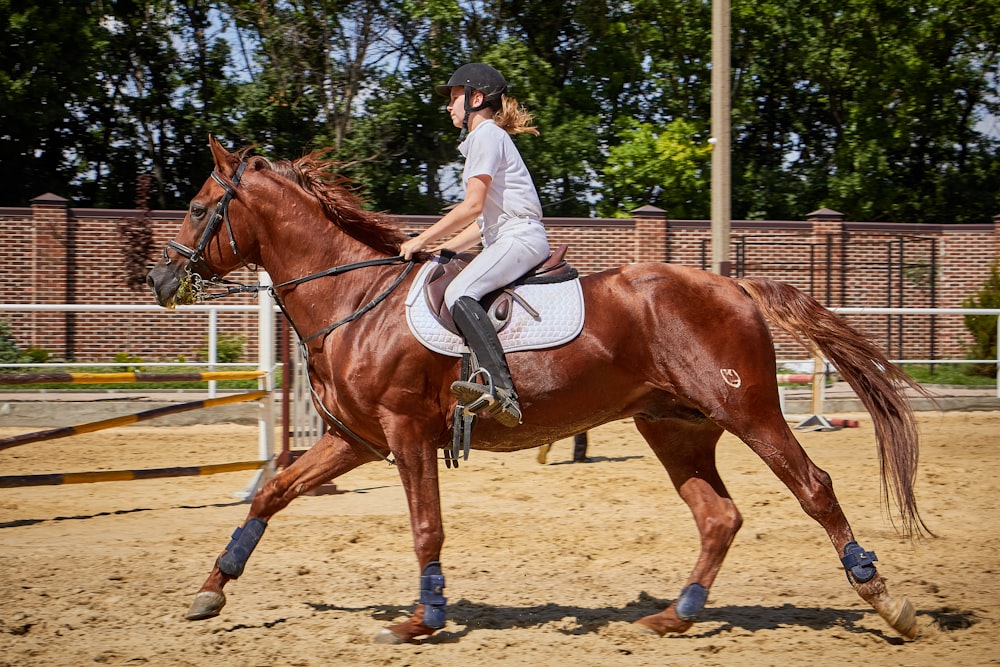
{"points": [[499, 303]]}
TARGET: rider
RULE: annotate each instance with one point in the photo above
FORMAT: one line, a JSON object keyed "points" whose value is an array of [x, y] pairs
{"points": [[501, 209]]}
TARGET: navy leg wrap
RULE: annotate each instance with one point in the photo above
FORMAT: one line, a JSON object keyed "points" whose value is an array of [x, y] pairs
{"points": [[690, 602], [858, 563], [242, 544], [431, 596]]}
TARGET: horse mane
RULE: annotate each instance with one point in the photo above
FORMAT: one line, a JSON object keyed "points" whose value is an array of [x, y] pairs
{"points": [[342, 207]]}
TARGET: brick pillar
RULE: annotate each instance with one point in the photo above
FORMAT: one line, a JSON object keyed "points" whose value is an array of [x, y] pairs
{"points": [[828, 230], [52, 272], [996, 236], [825, 222], [650, 234]]}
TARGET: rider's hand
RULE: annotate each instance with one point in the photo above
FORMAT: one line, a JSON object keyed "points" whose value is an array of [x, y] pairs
{"points": [[411, 246]]}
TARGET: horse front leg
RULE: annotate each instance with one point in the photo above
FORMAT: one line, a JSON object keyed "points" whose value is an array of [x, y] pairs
{"points": [[418, 470], [329, 458], [687, 451]]}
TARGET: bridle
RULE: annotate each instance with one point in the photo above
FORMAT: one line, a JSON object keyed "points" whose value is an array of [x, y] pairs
{"points": [[220, 215], [194, 284]]}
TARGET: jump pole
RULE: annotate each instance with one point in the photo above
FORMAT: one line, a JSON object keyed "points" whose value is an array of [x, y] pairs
{"points": [[125, 420], [54, 479], [123, 378]]}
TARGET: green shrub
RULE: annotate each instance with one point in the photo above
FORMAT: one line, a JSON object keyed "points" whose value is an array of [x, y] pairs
{"points": [[37, 355], [984, 327], [130, 359], [228, 348], [9, 352]]}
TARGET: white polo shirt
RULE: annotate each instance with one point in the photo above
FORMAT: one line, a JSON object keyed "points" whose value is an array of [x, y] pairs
{"points": [[511, 199]]}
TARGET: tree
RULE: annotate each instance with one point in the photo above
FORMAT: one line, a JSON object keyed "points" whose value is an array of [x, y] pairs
{"points": [[45, 78], [869, 109], [666, 166], [164, 89]]}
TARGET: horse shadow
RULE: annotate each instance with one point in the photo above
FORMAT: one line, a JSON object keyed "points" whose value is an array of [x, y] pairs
{"points": [[18, 523], [599, 459], [469, 616]]}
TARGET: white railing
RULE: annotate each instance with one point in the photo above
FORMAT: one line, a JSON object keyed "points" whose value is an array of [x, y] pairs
{"points": [[794, 363], [212, 350], [266, 341]]}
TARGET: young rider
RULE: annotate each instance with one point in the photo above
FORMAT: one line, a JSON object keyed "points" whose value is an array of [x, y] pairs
{"points": [[501, 209]]}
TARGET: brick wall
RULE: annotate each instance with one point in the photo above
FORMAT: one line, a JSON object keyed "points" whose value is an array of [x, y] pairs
{"points": [[56, 254]]}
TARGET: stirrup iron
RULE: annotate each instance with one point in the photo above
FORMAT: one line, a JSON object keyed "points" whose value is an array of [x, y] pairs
{"points": [[464, 390]]}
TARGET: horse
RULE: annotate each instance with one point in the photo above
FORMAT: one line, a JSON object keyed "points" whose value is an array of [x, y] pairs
{"points": [[686, 353]]}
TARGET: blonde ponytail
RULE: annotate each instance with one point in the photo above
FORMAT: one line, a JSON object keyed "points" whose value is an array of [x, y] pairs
{"points": [[514, 118]]}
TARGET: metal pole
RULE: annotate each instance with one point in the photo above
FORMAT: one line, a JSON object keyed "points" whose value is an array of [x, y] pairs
{"points": [[721, 172], [213, 348], [265, 341], [265, 363]]}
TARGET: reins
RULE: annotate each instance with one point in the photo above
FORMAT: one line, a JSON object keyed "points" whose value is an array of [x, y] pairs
{"points": [[334, 271], [194, 283], [337, 270]]}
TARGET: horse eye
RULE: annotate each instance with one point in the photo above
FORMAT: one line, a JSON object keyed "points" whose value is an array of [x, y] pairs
{"points": [[197, 211]]}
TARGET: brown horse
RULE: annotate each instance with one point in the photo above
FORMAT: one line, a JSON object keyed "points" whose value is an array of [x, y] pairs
{"points": [[686, 353]]}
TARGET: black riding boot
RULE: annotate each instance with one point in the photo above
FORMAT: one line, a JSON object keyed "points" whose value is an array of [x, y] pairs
{"points": [[478, 331]]}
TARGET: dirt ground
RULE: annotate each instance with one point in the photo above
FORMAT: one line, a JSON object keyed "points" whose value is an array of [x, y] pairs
{"points": [[545, 563]]}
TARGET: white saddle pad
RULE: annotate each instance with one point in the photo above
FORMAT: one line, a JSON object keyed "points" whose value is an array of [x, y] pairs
{"points": [[560, 320]]}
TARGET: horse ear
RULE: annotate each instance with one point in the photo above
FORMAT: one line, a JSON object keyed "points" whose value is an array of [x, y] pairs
{"points": [[223, 158]]}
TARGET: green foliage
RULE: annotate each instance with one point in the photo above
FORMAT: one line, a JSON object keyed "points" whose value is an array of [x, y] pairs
{"points": [[229, 348], [37, 355], [866, 108], [947, 374], [9, 352], [872, 109], [984, 327], [664, 166], [132, 361]]}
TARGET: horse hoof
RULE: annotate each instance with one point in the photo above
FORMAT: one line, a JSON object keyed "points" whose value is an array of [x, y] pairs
{"points": [[206, 605], [388, 637], [644, 630], [903, 619]]}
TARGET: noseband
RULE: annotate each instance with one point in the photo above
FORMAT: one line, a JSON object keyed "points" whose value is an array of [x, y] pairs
{"points": [[220, 214]]}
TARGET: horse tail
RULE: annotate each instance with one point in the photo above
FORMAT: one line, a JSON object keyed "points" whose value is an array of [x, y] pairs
{"points": [[878, 383]]}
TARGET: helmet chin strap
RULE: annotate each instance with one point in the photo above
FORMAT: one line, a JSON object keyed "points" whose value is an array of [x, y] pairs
{"points": [[469, 110]]}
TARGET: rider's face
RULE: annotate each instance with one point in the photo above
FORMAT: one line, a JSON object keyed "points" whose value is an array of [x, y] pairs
{"points": [[456, 107]]}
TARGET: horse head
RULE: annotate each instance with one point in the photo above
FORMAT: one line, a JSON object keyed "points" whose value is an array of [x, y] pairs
{"points": [[209, 246], [200, 250]]}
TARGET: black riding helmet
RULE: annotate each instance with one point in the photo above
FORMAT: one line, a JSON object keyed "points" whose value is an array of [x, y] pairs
{"points": [[473, 77]]}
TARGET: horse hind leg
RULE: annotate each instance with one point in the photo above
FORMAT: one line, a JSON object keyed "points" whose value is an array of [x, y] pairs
{"points": [[329, 458], [687, 451], [772, 440]]}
